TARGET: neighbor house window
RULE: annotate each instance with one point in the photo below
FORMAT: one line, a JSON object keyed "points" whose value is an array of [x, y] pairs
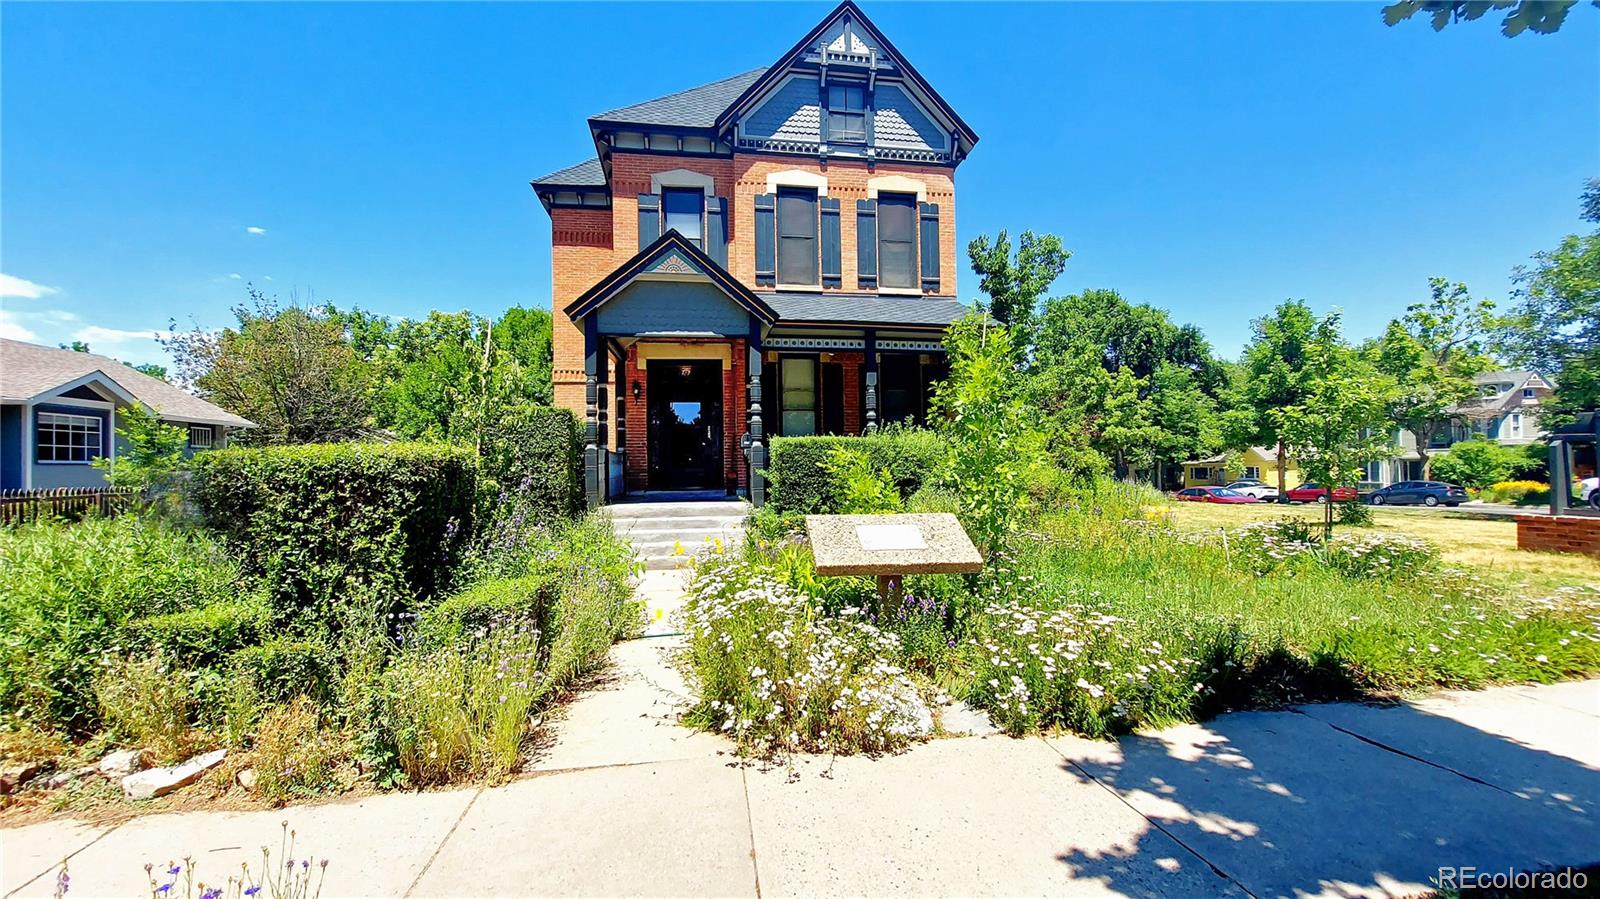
{"points": [[847, 113], [1201, 473], [797, 236], [200, 437], [798, 377], [1527, 393], [68, 438], [684, 210], [897, 240], [1252, 472], [1516, 425]]}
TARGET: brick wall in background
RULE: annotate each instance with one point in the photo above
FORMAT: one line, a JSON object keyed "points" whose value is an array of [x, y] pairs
{"points": [[1562, 534]]}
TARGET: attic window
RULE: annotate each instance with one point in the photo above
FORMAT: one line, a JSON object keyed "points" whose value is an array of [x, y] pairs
{"points": [[847, 113]]}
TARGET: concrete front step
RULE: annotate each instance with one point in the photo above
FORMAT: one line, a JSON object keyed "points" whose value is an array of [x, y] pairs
{"points": [[721, 509], [625, 526]]}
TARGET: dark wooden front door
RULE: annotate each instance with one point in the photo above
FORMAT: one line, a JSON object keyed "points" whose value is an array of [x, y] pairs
{"points": [[685, 424]]}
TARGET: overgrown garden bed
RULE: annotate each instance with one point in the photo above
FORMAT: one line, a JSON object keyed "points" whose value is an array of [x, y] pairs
{"points": [[338, 616]]}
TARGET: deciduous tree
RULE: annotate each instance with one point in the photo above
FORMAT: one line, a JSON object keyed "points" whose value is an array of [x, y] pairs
{"points": [[1432, 354], [1014, 284]]}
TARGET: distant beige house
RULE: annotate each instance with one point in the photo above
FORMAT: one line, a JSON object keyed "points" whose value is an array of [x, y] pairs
{"points": [[1257, 463]]}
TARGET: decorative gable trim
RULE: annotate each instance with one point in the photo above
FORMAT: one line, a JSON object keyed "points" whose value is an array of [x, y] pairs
{"points": [[846, 56], [674, 256]]}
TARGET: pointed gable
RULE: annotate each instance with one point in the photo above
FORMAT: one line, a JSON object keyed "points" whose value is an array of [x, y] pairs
{"points": [[785, 109], [681, 284]]}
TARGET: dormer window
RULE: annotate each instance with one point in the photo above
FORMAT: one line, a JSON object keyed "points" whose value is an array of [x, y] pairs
{"points": [[847, 113], [1528, 393]]}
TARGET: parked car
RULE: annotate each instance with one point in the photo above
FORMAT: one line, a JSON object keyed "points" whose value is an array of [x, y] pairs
{"points": [[1314, 493], [1428, 493], [1589, 492], [1255, 488], [1213, 495]]}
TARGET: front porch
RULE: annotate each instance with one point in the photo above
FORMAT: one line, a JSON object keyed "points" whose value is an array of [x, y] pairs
{"points": [[688, 374]]}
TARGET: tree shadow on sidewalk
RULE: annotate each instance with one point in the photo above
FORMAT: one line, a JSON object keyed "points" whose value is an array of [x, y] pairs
{"points": [[1285, 803]]}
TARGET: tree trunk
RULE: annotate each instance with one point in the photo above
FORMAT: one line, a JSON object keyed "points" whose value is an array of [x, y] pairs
{"points": [[1283, 491], [1427, 461]]}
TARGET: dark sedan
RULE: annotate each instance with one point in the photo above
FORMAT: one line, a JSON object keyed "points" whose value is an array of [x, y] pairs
{"points": [[1427, 493]]}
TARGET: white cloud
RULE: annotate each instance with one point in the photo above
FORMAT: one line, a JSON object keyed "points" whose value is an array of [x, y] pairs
{"points": [[234, 276], [22, 288], [255, 230], [11, 330], [97, 334]]}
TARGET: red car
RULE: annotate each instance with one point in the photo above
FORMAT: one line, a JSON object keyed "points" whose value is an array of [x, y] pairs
{"points": [[1312, 493], [1214, 495]]}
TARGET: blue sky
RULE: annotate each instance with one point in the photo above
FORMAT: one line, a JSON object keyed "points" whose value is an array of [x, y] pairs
{"points": [[1210, 158]]}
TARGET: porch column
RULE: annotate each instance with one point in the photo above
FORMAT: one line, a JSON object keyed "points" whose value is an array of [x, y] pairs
{"points": [[756, 453], [619, 386], [593, 490], [871, 411], [1560, 476]]}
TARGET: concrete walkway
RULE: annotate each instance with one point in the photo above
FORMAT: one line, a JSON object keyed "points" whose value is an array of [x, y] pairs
{"points": [[1338, 799]]}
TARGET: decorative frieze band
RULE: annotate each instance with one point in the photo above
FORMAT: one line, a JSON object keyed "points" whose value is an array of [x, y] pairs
{"points": [[815, 343], [915, 346]]}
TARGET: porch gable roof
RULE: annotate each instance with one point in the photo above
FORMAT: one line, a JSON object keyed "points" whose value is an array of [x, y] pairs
{"points": [[674, 255]]}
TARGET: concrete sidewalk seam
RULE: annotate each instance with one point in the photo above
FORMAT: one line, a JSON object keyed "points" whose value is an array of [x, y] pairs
{"points": [[432, 857], [1151, 821], [66, 858], [750, 828], [1401, 752]]}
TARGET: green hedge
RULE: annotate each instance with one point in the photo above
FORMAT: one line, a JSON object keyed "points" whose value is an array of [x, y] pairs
{"points": [[488, 605], [537, 455], [798, 468], [330, 524], [281, 669], [201, 638]]}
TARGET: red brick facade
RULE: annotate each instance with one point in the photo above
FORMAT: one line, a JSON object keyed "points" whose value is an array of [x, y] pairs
{"points": [[1560, 534]]}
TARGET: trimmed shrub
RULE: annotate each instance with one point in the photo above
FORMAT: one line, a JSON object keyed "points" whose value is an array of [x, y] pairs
{"points": [[536, 454], [803, 481], [202, 637], [1480, 463], [325, 521], [67, 592], [279, 670], [479, 609]]}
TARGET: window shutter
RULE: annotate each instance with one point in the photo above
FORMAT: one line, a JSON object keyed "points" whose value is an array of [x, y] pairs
{"points": [[717, 230], [867, 244], [649, 219], [831, 274], [930, 246], [766, 229]]}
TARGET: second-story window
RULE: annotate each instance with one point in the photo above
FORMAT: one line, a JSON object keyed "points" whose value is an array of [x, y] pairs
{"points": [[684, 209], [897, 240], [847, 113], [797, 236]]}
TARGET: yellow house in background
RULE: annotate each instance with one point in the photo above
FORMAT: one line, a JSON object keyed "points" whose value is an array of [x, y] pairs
{"points": [[1257, 462]]}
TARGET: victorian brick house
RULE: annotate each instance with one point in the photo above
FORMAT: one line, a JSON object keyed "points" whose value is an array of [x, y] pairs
{"points": [[769, 254]]}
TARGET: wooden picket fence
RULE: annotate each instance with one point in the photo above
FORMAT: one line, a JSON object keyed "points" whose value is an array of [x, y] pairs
{"points": [[18, 506]]}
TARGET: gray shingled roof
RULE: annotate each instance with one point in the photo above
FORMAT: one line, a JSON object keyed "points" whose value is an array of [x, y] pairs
{"points": [[27, 370], [585, 174], [864, 308], [697, 107]]}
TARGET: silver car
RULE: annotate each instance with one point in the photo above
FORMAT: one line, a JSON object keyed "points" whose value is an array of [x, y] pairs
{"points": [[1255, 488]]}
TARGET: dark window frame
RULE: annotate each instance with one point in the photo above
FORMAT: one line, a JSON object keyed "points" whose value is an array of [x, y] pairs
{"points": [[887, 276], [699, 195], [816, 392], [811, 196], [841, 110]]}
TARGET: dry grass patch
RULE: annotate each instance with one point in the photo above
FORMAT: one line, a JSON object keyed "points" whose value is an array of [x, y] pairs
{"points": [[1487, 546]]}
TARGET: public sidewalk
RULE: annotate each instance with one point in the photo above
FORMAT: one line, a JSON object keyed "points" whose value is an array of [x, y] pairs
{"points": [[1341, 799]]}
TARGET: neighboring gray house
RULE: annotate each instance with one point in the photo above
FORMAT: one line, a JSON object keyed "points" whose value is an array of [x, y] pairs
{"points": [[58, 413], [1506, 411]]}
